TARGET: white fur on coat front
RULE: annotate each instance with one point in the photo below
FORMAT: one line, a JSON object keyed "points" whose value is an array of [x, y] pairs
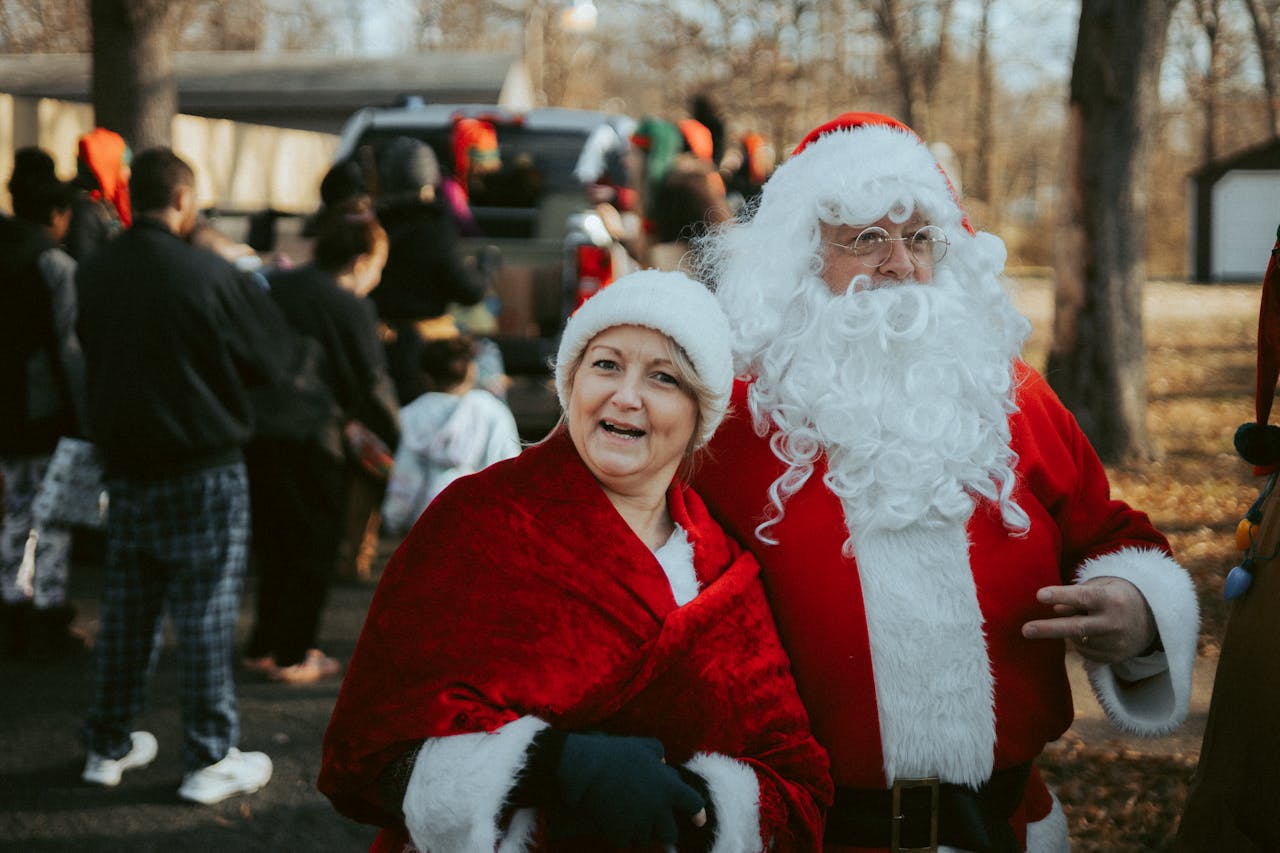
{"points": [[459, 786], [735, 795], [1158, 703], [934, 685]]}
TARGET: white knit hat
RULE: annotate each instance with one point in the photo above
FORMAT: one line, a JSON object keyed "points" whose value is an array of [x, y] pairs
{"points": [[668, 302]]}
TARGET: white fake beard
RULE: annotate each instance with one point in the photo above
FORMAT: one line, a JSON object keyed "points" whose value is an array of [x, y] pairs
{"points": [[907, 389]]}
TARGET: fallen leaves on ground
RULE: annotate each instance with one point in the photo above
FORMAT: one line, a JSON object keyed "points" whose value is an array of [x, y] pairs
{"points": [[1117, 799]]}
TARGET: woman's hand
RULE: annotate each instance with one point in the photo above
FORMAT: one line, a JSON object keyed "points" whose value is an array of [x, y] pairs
{"points": [[1107, 619]]}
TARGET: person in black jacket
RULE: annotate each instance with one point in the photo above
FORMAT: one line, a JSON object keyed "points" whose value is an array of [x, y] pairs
{"points": [[167, 333], [41, 400], [298, 474], [424, 271]]}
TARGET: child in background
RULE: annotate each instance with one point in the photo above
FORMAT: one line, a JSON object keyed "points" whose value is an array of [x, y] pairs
{"points": [[448, 432]]}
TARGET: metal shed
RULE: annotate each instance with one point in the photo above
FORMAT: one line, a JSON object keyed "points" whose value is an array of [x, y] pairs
{"points": [[1235, 209]]}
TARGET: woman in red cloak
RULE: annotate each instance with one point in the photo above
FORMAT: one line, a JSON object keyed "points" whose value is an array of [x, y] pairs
{"points": [[567, 652]]}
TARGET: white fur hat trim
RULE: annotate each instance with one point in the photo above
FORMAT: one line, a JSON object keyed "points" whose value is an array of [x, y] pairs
{"points": [[873, 167], [669, 302]]}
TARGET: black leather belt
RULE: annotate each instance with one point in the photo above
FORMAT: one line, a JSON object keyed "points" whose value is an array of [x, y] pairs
{"points": [[919, 814]]}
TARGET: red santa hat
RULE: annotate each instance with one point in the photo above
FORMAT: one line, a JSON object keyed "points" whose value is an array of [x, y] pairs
{"points": [[885, 154], [669, 302]]}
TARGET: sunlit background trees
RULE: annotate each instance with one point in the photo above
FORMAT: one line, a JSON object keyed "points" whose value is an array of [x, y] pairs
{"points": [[987, 77]]}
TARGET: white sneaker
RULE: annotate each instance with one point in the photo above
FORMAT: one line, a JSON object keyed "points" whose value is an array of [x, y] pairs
{"points": [[237, 773], [99, 770]]}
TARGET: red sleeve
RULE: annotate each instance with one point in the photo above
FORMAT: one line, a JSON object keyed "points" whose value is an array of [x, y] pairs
{"points": [[1059, 466]]}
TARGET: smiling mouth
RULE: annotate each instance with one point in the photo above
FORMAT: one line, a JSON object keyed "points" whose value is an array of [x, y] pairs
{"points": [[629, 432]]}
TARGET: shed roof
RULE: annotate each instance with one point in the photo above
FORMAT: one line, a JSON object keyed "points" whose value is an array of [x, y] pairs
{"points": [[1263, 156], [313, 91]]}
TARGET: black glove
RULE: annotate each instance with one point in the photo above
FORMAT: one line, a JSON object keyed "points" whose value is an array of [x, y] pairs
{"points": [[624, 789], [613, 786]]}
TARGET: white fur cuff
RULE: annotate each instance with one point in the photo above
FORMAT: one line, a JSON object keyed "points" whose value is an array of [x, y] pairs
{"points": [[735, 795], [1049, 834], [459, 785], [1157, 704]]}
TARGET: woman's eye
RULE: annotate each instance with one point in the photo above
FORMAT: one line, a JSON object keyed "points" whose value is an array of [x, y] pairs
{"points": [[667, 379], [604, 364]]}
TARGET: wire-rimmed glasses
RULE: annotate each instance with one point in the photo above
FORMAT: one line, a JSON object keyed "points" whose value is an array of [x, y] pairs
{"points": [[873, 245]]}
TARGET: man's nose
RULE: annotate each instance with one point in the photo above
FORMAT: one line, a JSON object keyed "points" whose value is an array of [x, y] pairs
{"points": [[899, 264]]}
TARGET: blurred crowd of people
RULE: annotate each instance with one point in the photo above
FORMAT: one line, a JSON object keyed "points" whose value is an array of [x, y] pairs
{"points": [[685, 176], [385, 235], [246, 416]]}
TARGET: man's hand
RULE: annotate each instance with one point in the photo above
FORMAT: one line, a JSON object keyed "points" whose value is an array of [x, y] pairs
{"points": [[621, 789], [1106, 618]]}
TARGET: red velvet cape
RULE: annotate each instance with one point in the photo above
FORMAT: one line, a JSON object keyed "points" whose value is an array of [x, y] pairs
{"points": [[521, 591]]}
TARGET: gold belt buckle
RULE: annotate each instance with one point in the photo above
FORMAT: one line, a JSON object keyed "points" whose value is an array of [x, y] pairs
{"points": [[895, 820]]}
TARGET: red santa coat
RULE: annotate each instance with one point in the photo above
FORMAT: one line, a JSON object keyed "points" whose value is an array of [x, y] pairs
{"points": [[818, 601], [521, 593]]}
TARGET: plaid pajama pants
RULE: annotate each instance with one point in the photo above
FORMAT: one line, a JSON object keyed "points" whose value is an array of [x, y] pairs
{"points": [[181, 544]]}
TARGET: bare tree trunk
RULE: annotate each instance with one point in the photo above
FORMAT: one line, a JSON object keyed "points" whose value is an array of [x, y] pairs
{"points": [[1097, 362], [1208, 13], [980, 185], [1264, 16], [886, 15], [915, 39], [135, 92]]}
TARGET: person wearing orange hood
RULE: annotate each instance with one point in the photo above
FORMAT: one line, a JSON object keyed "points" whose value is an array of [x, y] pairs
{"points": [[102, 174], [475, 152]]}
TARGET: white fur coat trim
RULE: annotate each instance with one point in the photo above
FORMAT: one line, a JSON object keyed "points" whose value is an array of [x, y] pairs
{"points": [[459, 785], [1158, 704], [735, 794], [933, 674], [1049, 834]]}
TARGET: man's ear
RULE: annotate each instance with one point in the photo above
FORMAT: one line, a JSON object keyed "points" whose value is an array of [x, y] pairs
{"points": [[183, 195], [185, 209]]}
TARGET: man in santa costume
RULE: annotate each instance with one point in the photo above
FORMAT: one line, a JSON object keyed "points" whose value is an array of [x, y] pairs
{"points": [[931, 522]]}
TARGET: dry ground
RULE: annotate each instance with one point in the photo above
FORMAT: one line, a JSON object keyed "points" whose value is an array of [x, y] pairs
{"points": [[1119, 796]]}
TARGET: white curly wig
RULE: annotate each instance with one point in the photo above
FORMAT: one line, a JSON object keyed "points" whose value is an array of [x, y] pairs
{"points": [[766, 271]]}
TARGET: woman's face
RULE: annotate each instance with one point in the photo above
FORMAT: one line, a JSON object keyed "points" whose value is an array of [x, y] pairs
{"points": [[629, 418]]}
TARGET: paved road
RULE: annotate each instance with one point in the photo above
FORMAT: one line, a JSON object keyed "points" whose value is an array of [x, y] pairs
{"points": [[45, 807]]}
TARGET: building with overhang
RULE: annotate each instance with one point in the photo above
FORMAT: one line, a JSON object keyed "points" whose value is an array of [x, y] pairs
{"points": [[1235, 209], [259, 128]]}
